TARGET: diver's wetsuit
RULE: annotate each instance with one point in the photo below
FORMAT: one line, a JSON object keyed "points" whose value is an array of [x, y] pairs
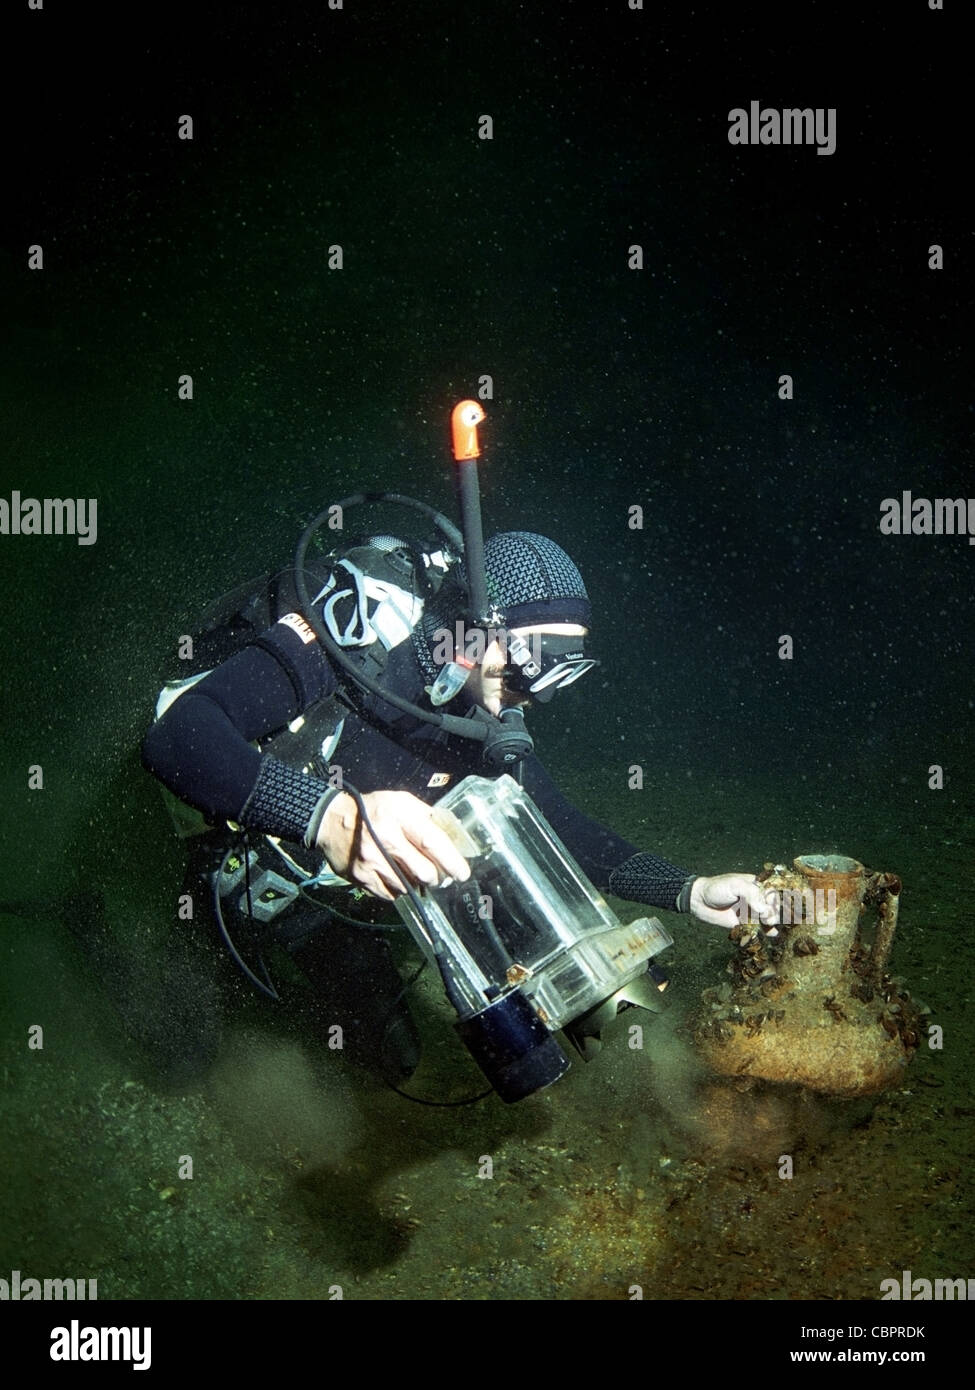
{"points": [[201, 750]]}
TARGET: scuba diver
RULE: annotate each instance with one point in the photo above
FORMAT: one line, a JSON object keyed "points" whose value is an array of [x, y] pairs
{"points": [[334, 708]]}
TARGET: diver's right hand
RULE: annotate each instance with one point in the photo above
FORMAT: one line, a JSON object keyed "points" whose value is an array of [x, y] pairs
{"points": [[418, 847]]}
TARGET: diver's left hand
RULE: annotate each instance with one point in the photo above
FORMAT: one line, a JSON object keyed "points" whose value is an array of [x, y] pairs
{"points": [[731, 900]]}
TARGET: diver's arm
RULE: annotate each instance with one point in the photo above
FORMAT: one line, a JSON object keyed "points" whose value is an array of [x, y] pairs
{"points": [[612, 863], [722, 900], [201, 747]]}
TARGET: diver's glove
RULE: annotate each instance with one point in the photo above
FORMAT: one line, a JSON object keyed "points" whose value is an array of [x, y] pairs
{"points": [[730, 900]]}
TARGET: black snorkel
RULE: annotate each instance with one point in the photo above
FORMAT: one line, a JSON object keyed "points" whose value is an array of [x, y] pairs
{"points": [[506, 740], [464, 421]]}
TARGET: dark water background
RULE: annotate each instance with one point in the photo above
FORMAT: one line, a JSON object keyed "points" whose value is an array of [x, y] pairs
{"points": [[612, 388]]}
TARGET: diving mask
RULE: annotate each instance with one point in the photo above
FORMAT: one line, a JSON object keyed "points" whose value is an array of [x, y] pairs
{"points": [[544, 662]]}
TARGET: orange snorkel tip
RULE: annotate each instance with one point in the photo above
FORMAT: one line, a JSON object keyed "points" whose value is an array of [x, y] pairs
{"points": [[464, 420]]}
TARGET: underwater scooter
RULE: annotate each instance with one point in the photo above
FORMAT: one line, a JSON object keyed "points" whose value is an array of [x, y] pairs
{"points": [[526, 946]]}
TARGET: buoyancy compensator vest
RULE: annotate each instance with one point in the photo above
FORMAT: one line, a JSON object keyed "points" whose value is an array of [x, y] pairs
{"points": [[369, 595]]}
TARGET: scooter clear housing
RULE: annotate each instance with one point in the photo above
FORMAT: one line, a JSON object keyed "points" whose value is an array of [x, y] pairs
{"points": [[527, 921]]}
